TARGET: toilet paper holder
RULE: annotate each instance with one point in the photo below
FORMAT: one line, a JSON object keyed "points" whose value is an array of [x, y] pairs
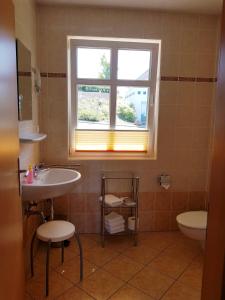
{"points": [[165, 181]]}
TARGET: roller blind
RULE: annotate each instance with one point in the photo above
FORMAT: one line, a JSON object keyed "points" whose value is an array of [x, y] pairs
{"points": [[111, 141]]}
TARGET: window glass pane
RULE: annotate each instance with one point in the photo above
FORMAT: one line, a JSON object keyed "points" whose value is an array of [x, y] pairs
{"points": [[133, 64], [93, 106], [93, 63], [132, 108]]}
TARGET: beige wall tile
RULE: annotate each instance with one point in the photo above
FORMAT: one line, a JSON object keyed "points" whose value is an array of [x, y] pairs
{"points": [[163, 220], [163, 201], [188, 41], [147, 221], [92, 223], [79, 221], [169, 64], [183, 137], [187, 66], [92, 203], [198, 180], [204, 93], [186, 92], [201, 138], [168, 92], [197, 201], [184, 115], [180, 201], [146, 201], [207, 41], [189, 21], [174, 214], [202, 116], [204, 69], [77, 203]]}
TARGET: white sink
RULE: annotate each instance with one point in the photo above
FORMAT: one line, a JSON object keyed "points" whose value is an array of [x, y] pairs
{"points": [[50, 183]]}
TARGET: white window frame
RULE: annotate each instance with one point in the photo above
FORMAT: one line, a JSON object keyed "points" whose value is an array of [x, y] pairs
{"points": [[114, 44]]}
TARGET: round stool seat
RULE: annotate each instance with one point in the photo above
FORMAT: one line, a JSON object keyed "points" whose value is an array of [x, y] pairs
{"points": [[55, 231]]}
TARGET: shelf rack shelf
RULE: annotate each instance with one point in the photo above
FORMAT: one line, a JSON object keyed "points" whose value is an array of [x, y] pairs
{"points": [[133, 181]]}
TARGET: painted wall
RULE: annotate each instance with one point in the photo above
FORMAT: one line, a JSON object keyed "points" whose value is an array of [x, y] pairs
{"points": [[189, 61]]}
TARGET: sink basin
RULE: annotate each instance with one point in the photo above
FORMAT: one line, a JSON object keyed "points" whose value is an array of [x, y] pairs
{"points": [[50, 183]]}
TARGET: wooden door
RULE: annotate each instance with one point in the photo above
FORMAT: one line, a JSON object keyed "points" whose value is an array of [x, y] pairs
{"points": [[11, 250], [215, 243]]}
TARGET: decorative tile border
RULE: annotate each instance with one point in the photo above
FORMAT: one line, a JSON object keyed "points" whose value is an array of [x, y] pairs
{"points": [[163, 78], [23, 73], [53, 75], [188, 79]]}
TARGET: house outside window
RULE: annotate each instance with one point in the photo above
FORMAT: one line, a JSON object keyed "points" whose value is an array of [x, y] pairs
{"points": [[113, 87]]}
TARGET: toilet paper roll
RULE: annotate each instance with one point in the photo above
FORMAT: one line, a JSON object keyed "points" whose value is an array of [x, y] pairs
{"points": [[166, 186], [131, 223]]}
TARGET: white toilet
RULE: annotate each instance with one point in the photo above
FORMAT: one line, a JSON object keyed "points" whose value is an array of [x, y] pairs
{"points": [[193, 224]]}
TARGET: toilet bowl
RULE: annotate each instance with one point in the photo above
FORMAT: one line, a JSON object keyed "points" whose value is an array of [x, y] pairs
{"points": [[193, 224]]}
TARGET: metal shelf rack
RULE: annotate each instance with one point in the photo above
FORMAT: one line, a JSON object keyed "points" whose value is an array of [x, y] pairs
{"points": [[133, 181]]}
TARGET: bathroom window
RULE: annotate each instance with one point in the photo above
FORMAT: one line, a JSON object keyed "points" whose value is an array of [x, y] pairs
{"points": [[113, 97]]}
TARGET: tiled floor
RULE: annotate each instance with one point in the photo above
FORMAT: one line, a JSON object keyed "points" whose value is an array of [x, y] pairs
{"points": [[163, 266]]}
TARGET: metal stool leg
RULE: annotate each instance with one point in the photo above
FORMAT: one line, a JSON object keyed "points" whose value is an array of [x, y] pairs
{"points": [[81, 254], [32, 255], [47, 269], [62, 252]]}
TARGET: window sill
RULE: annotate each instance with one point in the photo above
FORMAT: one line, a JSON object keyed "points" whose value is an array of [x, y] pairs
{"points": [[111, 156]]}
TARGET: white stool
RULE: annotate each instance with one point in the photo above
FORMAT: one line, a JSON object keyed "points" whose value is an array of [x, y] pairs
{"points": [[52, 232]]}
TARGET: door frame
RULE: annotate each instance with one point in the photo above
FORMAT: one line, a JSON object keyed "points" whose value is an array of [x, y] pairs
{"points": [[214, 260]]}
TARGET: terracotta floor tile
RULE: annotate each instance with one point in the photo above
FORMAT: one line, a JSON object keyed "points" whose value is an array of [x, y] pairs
{"points": [[150, 269], [192, 277], [122, 267], [86, 242], [71, 269], [75, 294], [152, 282], [170, 265], [183, 251], [181, 292], [55, 255], [141, 254], [158, 240], [57, 285], [93, 236], [128, 292], [119, 243], [100, 256], [101, 285], [189, 244], [39, 268]]}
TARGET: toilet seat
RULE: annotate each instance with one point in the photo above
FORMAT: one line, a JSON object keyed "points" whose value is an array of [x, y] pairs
{"points": [[193, 219]]}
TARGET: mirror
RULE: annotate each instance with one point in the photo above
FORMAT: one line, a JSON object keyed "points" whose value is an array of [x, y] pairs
{"points": [[24, 82]]}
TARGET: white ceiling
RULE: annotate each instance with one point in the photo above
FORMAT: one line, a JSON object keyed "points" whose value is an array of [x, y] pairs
{"points": [[195, 6]]}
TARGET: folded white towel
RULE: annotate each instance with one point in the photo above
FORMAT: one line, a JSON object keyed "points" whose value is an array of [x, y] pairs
{"points": [[112, 200], [115, 223], [113, 217], [119, 229], [114, 227]]}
